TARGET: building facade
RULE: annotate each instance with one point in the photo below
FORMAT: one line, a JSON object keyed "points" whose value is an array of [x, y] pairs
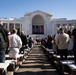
{"points": [[38, 24]]}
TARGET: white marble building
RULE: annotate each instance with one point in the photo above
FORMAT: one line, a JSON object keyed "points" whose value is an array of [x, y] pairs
{"points": [[38, 24]]}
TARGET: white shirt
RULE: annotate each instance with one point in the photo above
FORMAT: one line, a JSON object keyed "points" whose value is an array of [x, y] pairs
{"points": [[15, 45], [15, 41]]}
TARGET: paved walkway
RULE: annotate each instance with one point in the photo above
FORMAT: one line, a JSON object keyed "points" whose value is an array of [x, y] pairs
{"points": [[37, 64]]}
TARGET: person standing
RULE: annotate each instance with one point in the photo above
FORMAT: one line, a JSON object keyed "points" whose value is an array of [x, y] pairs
{"points": [[55, 41], [15, 45], [23, 38], [30, 42], [4, 43], [62, 43], [49, 41], [24, 41], [74, 43]]}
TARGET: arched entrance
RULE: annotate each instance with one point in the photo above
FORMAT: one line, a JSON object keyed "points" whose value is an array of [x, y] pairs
{"points": [[37, 25]]}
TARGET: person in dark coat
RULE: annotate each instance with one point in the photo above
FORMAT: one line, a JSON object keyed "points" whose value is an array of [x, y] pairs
{"points": [[24, 41], [74, 43], [49, 41], [30, 42], [4, 43]]}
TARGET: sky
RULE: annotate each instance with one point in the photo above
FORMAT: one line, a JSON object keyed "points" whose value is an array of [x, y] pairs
{"points": [[58, 8]]}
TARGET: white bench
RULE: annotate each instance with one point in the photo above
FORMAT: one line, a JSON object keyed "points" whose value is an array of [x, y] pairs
{"points": [[4, 66], [72, 68], [18, 56], [69, 57], [64, 63], [49, 50]]}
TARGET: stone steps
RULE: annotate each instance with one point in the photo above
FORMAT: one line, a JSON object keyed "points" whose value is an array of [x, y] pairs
{"points": [[37, 64]]}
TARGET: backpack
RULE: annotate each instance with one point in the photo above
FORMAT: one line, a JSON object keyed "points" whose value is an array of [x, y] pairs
{"points": [[2, 37]]}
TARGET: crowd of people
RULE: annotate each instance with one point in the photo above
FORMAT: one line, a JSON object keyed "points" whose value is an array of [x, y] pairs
{"points": [[13, 43], [62, 43]]}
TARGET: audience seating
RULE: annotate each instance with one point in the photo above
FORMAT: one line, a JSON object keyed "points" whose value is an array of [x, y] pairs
{"points": [[65, 67]]}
